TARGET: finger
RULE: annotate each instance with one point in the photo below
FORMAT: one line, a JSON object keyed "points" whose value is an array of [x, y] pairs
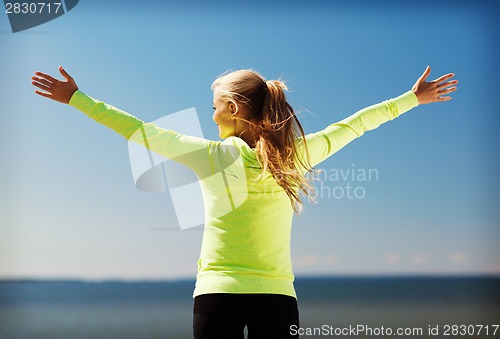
{"points": [[41, 86], [448, 83], [444, 77], [43, 94], [444, 98], [51, 79], [65, 74], [447, 90], [42, 81], [424, 75], [42, 76]]}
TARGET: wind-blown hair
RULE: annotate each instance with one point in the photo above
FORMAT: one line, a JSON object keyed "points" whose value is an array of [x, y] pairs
{"points": [[276, 127]]}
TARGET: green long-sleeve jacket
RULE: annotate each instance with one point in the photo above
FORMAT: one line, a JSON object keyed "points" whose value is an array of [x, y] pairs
{"points": [[246, 241]]}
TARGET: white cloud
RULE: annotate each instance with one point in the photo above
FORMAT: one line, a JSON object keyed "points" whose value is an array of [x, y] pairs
{"points": [[458, 258], [419, 258], [330, 259], [392, 258], [308, 260]]}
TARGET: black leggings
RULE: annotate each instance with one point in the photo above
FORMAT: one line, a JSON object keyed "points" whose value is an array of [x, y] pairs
{"points": [[225, 315]]}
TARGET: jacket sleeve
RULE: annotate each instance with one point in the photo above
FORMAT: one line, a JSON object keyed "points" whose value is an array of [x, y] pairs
{"points": [[191, 151], [323, 144]]}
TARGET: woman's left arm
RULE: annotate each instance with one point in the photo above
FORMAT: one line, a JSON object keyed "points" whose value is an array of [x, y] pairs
{"points": [[188, 150]]}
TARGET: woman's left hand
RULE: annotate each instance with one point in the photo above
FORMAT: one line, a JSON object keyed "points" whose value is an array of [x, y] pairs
{"points": [[53, 88], [429, 92]]}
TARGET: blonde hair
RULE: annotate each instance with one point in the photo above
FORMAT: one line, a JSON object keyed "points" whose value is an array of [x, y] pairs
{"points": [[276, 127]]}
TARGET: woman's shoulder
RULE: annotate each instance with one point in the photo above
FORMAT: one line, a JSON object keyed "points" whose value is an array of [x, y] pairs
{"points": [[234, 147]]}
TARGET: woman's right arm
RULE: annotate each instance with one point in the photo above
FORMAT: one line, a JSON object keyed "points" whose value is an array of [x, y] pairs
{"points": [[325, 143]]}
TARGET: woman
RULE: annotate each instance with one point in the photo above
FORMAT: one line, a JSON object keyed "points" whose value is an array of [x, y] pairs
{"points": [[244, 272]]}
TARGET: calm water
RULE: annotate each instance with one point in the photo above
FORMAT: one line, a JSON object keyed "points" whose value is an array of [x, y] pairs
{"points": [[73, 309]]}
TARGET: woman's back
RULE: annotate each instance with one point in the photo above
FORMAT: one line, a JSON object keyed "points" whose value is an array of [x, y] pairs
{"points": [[246, 241]]}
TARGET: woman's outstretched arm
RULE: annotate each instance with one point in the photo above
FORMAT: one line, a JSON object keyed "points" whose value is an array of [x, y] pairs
{"points": [[325, 143], [67, 92], [188, 150]]}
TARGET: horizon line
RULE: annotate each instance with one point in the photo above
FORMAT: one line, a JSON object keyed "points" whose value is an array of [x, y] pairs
{"points": [[493, 275]]}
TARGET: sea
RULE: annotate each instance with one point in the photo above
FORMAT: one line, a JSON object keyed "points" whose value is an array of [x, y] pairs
{"points": [[342, 307]]}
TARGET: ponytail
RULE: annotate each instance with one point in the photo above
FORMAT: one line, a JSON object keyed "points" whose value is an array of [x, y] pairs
{"points": [[276, 127]]}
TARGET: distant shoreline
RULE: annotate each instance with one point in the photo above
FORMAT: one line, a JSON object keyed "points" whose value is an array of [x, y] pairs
{"points": [[416, 289], [297, 277]]}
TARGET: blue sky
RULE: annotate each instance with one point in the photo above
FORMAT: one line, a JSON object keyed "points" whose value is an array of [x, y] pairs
{"points": [[69, 207]]}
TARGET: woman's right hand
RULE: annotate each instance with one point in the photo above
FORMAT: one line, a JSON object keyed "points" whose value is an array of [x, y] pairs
{"points": [[433, 91], [53, 88]]}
